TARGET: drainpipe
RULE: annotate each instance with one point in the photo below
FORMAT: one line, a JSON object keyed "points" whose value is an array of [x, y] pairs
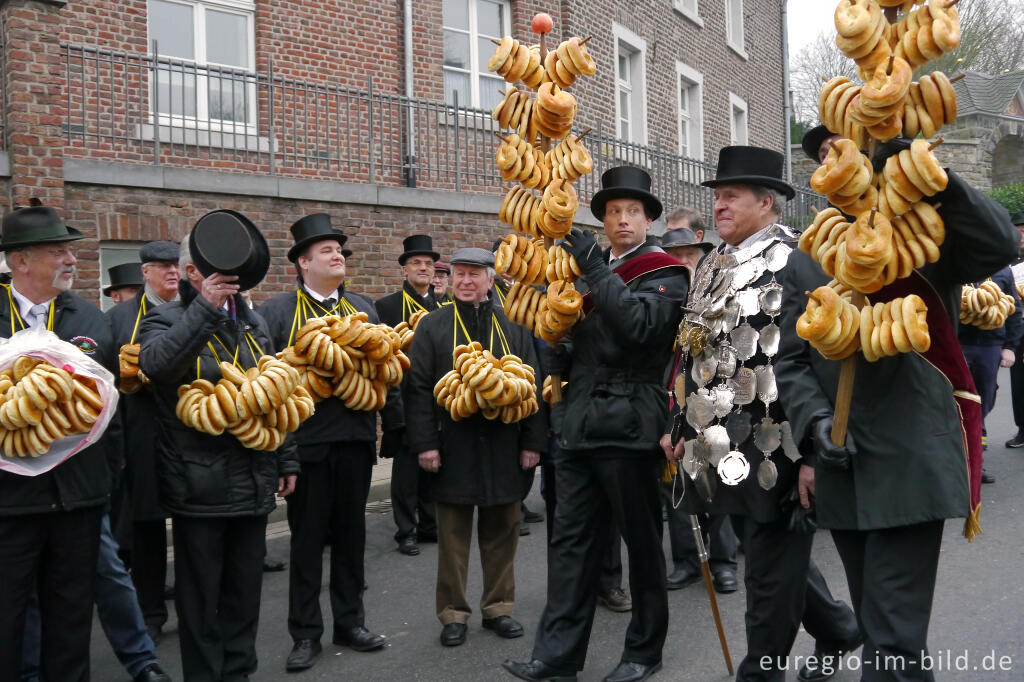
{"points": [[787, 104], [410, 159]]}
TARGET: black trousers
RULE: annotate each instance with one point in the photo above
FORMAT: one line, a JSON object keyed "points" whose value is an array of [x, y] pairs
{"points": [[719, 537], [1017, 388], [892, 582], [775, 577], [611, 558], [57, 552], [829, 621], [149, 569], [328, 507], [593, 493], [411, 504], [218, 575]]}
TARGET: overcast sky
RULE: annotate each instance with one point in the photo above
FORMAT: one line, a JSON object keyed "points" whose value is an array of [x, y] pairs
{"points": [[807, 19]]}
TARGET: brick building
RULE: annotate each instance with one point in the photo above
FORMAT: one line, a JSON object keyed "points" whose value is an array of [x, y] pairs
{"points": [[134, 117]]}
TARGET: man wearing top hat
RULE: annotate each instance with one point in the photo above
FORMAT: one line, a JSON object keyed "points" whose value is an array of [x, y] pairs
{"points": [[217, 491], [739, 455], [142, 529], [125, 282], [50, 524], [477, 462], [614, 415], [337, 448], [886, 492], [410, 493]]}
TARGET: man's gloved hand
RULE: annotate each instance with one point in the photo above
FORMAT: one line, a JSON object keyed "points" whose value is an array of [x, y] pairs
{"points": [[828, 453], [582, 245]]}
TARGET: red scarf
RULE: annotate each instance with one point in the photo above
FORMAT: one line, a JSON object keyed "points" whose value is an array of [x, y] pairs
{"points": [[636, 267]]}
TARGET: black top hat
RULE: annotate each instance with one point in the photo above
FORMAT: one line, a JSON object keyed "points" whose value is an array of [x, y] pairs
{"points": [[625, 182], [1017, 218], [315, 228], [813, 139], [683, 236], [751, 166], [229, 243], [158, 251], [35, 225], [124, 275], [418, 245]]}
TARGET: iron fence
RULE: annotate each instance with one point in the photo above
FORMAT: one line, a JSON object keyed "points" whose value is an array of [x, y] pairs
{"points": [[148, 108]]}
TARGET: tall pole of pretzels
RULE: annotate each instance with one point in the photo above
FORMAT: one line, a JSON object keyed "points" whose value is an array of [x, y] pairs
{"points": [[702, 554]]}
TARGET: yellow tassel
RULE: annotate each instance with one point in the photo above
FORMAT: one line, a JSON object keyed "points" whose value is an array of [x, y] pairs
{"points": [[669, 472], [972, 524]]}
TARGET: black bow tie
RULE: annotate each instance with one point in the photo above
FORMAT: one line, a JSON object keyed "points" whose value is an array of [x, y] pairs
{"points": [[329, 303]]}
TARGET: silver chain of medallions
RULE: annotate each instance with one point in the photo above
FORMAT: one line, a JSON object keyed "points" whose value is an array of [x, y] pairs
{"points": [[715, 333]]}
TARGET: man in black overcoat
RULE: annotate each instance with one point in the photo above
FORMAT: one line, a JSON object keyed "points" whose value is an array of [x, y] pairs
{"points": [[337, 449], [410, 494], [615, 411], [912, 453], [142, 528], [477, 462]]}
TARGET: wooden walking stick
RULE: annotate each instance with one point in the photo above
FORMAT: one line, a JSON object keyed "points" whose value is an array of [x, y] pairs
{"points": [[702, 553]]}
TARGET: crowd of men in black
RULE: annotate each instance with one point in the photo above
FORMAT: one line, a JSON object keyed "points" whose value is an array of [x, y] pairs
{"points": [[607, 450]]}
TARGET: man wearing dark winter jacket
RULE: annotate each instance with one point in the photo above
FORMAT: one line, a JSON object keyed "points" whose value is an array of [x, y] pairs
{"points": [[615, 412], [477, 462], [337, 449], [50, 524], [217, 491], [142, 530], [986, 350], [410, 495]]}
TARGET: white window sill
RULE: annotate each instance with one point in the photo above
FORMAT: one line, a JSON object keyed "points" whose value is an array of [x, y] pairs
{"points": [[204, 138], [627, 154], [738, 49], [689, 14], [472, 120]]}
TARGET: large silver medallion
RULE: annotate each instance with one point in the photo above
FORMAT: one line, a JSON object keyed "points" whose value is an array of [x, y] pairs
{"points": [[770, 299], [726, 362], [767, 392], [748, 302], [768, 340], [700, 410], [723, 396], [744, 385], [767, 474], [733, 468], [738, 427], [744, 340], [777, 257], [788, 444], [767, 435], [704, 367], [718, 441]]}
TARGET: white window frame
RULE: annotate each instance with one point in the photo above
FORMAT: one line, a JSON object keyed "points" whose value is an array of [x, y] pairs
{"points": [[738, 104], [695, 110], [113, 253], [637, 47], [689, 9], [735, 34], [202, 120], [474, 58]]}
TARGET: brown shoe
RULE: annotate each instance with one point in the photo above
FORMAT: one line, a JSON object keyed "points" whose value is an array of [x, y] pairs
{"points": [[616, 600]]}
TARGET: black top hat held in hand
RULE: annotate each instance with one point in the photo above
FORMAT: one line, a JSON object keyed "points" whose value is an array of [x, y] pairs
{"points": [[229, 243]]}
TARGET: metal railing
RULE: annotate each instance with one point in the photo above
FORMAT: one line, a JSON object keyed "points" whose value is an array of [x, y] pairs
{"points": [[147, 108]]}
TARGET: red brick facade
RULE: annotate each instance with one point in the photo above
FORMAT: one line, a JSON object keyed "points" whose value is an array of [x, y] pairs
{"points": [[334, 45]]}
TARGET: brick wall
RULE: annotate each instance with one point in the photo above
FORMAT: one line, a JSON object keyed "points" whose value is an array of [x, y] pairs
{"points": [[375, 233]]}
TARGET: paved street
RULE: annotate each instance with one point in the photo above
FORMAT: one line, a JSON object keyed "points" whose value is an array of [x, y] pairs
{"points": [[977, 605]]}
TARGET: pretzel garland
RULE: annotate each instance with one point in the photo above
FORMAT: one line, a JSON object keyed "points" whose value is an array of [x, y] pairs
{"points": [[41, 404], [985, 306], [481, 383], [525, 259], [406, 330], [258, 406], [545, 391], [132, 378], [350, 358]]}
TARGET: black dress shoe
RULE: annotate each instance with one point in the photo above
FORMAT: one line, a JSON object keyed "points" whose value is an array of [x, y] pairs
{"points": [[537, 671], [986, 477], [615, 600], [453, 634], [152, 673], [359, 639], [725, 581], [1017, 441], [825, 661], [628, 671], [272, 566], [687, 574], [408, 547], [303, 655], [504, 626]]}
